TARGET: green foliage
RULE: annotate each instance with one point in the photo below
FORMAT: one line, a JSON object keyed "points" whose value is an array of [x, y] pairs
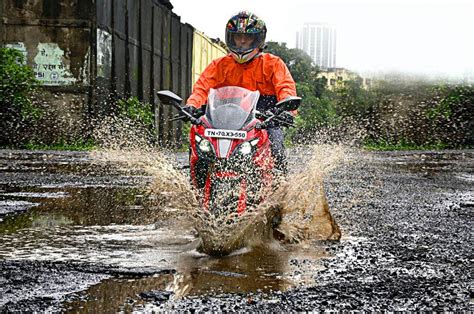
{"points": [[300, 65], [450, 99], [352, 100], [398, 112], [317, 112], [137, 111], [17, 81], [316, 109], [73, 145], [185, 129]]}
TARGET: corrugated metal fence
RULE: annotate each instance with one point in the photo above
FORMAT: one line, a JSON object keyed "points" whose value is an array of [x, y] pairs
{"points": [[142, 47], [204, 51]]}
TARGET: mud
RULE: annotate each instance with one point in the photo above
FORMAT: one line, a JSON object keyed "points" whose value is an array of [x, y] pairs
{"points": [[405, 219]]}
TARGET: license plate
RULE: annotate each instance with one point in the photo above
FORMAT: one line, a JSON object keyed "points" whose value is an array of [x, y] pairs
{"points": [[239, 135]]}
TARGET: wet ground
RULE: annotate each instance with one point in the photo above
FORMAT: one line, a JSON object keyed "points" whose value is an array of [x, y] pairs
{"points": [[79, 236]]}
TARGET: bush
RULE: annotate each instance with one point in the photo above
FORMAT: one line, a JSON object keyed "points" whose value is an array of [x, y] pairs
{"points": [[422, 114], [17, 81], [137, 111]]}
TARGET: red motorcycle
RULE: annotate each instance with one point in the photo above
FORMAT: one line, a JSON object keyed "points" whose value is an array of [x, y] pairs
{"points": [[230, 159]]}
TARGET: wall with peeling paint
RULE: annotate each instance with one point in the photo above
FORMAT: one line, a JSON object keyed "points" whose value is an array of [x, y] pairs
{"points": [[56, 35], [55, 38]]}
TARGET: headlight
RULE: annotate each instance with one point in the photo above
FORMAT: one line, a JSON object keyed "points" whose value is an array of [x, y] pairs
{"points": [[245, 148], [205, 146], [254, 141]]}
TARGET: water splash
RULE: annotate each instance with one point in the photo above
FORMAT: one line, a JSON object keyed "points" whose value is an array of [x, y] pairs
{"points": [[299, 201], [302, 199], [169, 190]]}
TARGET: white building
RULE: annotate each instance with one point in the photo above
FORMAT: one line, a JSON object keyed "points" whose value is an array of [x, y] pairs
{"points": [[319, 41]]}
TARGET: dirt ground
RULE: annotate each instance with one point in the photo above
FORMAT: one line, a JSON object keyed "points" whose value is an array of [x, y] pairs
{"points": [[405, 217]]}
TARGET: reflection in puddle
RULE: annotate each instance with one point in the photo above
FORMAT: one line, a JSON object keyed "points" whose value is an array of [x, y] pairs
{"points": [[116, 245], [37, 195], [256, 270], [13, 206], [78, 229], [82, 206]]}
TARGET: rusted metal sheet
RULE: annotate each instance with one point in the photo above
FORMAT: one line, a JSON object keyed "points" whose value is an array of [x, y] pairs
{"points": [[133, 20], [157, 64], [165, 112]]}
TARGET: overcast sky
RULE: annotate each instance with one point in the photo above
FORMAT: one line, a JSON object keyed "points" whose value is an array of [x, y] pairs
{"points": [[414, 36]]}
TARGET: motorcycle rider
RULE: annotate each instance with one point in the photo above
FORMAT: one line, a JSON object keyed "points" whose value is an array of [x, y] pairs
{"points": [[249, 67]]}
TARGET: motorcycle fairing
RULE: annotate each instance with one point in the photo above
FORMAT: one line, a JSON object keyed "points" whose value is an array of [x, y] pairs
{"points": [[223, 164]]}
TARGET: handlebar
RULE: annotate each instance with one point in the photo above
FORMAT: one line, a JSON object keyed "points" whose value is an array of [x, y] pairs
{"points": [[269, 117]]}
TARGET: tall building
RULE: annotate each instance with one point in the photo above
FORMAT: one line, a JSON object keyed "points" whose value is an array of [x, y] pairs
{"points": [[319, 41]]}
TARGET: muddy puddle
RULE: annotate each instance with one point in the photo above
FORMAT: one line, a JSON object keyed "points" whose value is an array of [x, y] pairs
{"points": [[259, 270], [68, 209]]}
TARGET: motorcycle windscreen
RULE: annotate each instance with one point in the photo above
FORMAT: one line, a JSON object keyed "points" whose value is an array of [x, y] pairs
{"points": [[231, 107]]}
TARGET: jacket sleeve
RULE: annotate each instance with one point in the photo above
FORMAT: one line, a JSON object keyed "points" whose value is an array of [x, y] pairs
{"points": [[283, 81], [202, 86], [284, 84]]}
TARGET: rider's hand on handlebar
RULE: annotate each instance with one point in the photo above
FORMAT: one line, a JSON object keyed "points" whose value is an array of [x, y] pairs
{"points": [[190, 109], [286, 117], [193, 111], [283, 119]]}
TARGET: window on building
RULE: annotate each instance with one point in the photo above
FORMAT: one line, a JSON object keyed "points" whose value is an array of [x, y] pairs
{"points": [[332, 82], [339, 78]]}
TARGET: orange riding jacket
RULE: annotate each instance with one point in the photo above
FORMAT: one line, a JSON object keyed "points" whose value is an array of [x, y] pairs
{"points": [[266, 73]]}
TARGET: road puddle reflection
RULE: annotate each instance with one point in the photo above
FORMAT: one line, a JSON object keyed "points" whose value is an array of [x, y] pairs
{"points": [[251, 270]]}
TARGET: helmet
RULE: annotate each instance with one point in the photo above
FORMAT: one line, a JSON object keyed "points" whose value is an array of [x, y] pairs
{"points": [[245, 36]]}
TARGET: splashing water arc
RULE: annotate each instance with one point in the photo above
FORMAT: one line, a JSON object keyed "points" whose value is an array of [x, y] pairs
{"points": [[300, 199]]}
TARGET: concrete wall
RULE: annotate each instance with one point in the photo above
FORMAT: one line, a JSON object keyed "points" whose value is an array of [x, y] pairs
{"points": [[55, 38]]}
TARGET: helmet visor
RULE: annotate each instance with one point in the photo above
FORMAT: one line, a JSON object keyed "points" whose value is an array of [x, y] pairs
{"points": [[243, 42]]}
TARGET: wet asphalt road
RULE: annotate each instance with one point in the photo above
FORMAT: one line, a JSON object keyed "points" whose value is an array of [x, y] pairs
{"points": [[406, 219]]}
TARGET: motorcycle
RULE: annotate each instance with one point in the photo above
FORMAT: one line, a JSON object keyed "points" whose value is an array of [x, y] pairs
{"points": [[231, 165]]}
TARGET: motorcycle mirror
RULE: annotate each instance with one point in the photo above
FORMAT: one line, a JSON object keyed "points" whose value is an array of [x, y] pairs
{"points": [[289, 104], [169, 98]]}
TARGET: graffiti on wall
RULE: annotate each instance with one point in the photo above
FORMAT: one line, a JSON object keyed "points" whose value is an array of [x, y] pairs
{"points": [[104, 53], [49, 66]]}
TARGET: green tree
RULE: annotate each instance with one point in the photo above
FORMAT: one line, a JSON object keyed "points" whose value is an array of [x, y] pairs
{"points": [[352, 100], [316, 109]]}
